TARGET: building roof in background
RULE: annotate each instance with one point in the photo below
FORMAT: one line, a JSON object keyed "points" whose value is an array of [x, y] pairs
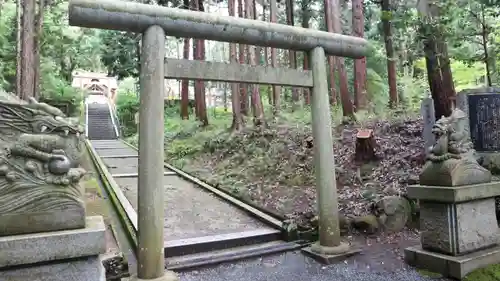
{"points": [[84, 77]]}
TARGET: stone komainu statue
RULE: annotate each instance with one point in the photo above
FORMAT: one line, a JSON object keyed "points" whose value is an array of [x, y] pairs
{"points": [[451, 160], [40, 155]]}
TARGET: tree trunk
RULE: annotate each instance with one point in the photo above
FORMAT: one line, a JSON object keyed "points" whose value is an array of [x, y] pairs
{"points": [[258, 49], [437, 61], [445, 67], [495, 75], [484, 35], [306, 17], [37, 46], [358, 28], [365, 146], [347, 107], [292, 55], [276, 89], [19, 32], [185, 82], [331, 59], [185, 85], [389, 49], [224, 97], [266, 60], [199, 86], [235, 97], [257, 107], [241, 58], [27, 49]]}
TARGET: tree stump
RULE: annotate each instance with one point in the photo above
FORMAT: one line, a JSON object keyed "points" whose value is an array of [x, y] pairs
{"points": [[365, 146]]}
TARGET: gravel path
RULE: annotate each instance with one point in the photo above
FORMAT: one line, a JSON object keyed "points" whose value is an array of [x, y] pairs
{"points": [[190, 211], [381, 259], [293, 266]]}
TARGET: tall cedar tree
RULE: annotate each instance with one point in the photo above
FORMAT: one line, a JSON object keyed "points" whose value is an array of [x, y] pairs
{"points": [[389, 49], [437, 60], [257, 106], [241, 60], [276, 90], [37, 46], [358, 28], [235, 97], [27, 50], [199, 85], [185, 82], [347, 106], [331, 59], [306, 17], [292, 55]]}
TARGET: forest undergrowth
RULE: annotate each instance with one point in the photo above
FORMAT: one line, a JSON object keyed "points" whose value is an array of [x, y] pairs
{"points": [[273, 166]]}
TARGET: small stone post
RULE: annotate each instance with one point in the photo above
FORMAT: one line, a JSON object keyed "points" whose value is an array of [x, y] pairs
{"points": [[151, 260], [329, 247]]}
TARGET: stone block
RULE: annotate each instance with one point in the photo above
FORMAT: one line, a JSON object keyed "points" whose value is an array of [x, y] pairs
{"points": [[451, 266], [460, 228], [454, 194], [454, 172], [41, 151], [35, 222], [490, 161], [82, 269], [49, 246], [168, 276], [456, 220], [329, 259]]}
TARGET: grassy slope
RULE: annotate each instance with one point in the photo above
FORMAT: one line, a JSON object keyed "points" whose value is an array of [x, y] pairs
{"points": [[273, 167]]}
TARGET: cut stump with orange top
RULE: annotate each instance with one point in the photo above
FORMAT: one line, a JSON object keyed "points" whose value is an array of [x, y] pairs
{"points": [[365, 146]]}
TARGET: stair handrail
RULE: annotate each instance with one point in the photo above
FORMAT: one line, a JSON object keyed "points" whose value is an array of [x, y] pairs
{"points": [[117, 120], [112, 114], [86, 118]]}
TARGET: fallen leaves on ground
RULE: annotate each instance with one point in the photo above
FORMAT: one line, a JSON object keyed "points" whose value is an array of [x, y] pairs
{"points": [[273, 167]]}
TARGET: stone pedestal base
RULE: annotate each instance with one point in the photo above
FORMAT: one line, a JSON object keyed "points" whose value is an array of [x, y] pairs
{"points": [[459, 231], [457, 220], [69, 255], [36, 222], [330, 256], [168, 276], [458, 228], [49, 246], [451, 266]]}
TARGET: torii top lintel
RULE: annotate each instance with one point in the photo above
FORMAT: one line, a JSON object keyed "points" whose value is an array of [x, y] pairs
{"points": [[137, 17]]}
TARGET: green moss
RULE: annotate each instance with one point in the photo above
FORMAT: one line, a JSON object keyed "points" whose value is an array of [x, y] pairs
{"points": [[91, 184], [429, 274], [489, 273]]}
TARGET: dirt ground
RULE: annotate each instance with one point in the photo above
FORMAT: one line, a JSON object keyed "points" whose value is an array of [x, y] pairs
{"points": [[275, 169]]}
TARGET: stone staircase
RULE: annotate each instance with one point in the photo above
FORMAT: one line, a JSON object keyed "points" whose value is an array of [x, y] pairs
{"points": [[100, 124]]}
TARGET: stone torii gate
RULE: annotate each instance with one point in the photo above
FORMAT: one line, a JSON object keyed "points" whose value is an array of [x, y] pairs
{"points": [[155, 22]]}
